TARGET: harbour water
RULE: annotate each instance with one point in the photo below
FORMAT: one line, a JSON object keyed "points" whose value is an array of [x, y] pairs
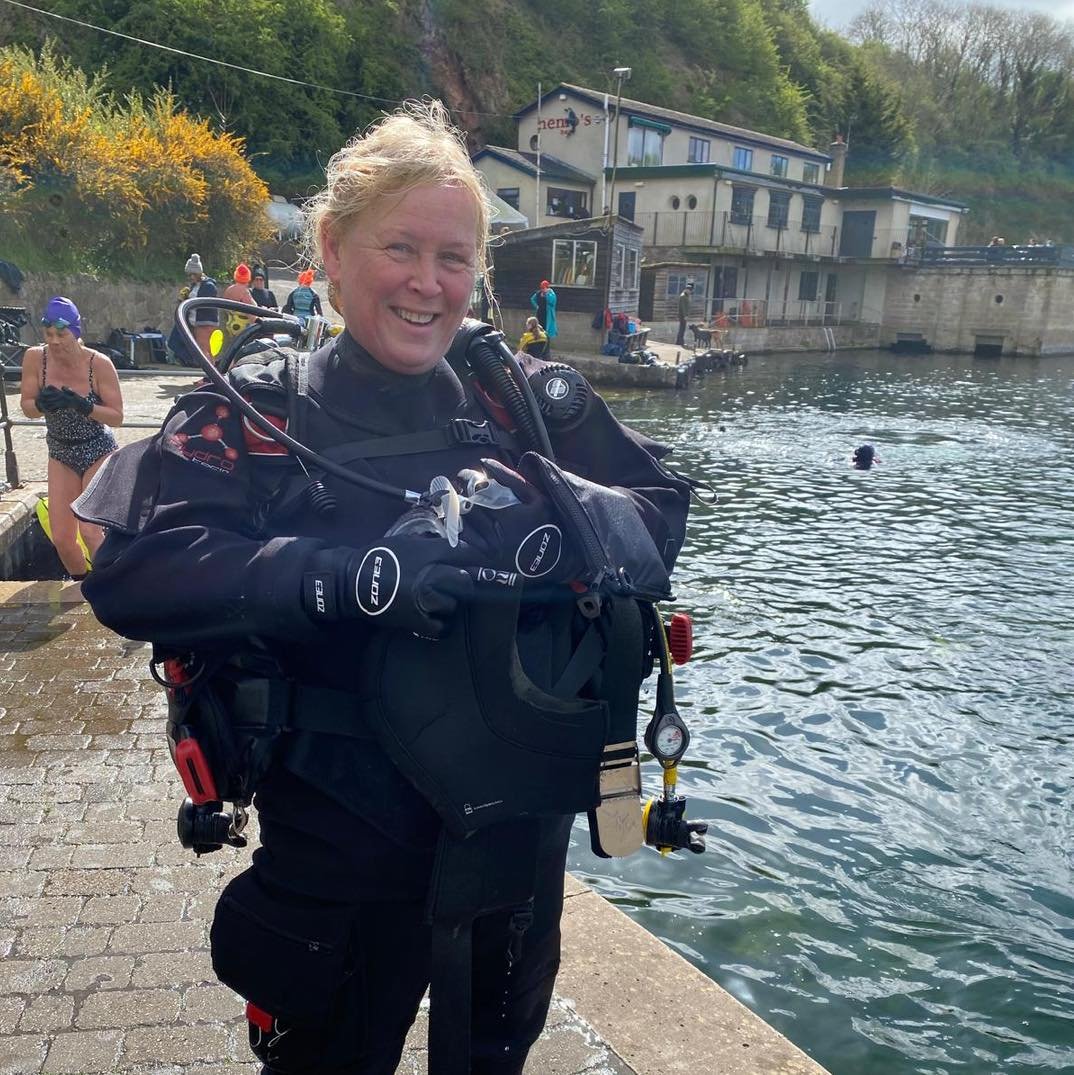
{"points": [[882, 708]]}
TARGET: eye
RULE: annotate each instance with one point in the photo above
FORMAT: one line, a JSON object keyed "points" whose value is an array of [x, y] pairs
{"points": [[456, 260], [400, 250]]}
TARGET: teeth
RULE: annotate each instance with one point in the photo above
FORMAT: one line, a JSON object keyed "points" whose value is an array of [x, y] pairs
{"points": [[415, 318]]}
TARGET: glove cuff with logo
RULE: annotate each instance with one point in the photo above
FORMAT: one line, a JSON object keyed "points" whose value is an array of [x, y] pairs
{"points": [[409, 584]]}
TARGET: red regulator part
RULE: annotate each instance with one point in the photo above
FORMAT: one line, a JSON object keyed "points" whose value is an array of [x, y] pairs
{"points": [[681, 637]]}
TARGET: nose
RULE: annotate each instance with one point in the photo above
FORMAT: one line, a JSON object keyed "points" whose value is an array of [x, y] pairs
{"points": [[425, 279]]}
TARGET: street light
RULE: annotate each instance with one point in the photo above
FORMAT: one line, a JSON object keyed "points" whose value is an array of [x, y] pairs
{"points": [[622, 74]]}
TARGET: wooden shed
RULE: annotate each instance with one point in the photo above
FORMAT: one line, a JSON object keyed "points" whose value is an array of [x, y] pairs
{"points": [[593, 265], [661, 285]]}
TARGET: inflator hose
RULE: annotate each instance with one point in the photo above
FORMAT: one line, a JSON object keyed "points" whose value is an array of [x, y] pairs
{"points": [[482, 347]]}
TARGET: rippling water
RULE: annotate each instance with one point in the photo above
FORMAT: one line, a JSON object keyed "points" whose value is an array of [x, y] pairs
{"points": [[881, 704]]}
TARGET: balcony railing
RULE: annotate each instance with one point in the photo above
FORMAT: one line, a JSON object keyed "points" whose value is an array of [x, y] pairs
{"points": [[757, 313], [730, 231], [996, 255]]}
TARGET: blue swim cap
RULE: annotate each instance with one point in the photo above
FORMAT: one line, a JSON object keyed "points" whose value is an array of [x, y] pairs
{"points": [[60, 309]]}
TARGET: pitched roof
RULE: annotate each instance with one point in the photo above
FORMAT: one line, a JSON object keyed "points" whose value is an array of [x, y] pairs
{"points": [[681, 119], [551, 167]]}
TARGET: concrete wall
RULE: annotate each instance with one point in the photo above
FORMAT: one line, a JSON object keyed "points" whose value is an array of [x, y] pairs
{"points": [[1031, 309], [104, 304], [777, 339]]}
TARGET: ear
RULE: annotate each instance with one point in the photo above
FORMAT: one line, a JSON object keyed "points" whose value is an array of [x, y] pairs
{"points": [[330, 243]]}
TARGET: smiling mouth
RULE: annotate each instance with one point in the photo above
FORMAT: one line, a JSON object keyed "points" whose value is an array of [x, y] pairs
{"points": [[412, 317]]}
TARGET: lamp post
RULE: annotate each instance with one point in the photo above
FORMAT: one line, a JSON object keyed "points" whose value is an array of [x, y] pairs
{"points": [[622, 74]]}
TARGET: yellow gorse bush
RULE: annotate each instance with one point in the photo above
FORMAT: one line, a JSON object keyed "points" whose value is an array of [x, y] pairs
{"points": [[129, 186]]}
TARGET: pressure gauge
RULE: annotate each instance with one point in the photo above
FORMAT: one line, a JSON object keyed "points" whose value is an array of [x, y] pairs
{"points": [[666, 737], [669, 741]]}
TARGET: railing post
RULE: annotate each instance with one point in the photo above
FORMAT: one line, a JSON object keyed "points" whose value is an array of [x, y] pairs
{"points": [[11, 463], [684, 228]]}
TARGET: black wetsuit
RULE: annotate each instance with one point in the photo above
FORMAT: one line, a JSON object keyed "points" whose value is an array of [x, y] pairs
{"points": [[342, 831]]}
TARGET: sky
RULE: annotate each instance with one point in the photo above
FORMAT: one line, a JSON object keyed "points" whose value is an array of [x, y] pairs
{"points": [[837, 13]]}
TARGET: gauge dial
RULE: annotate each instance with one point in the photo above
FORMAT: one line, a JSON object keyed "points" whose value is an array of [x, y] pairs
{"points": [[669, 740]]}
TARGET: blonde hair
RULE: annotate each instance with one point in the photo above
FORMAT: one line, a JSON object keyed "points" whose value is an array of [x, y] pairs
{"points": [[533, 325], [415, 146]]}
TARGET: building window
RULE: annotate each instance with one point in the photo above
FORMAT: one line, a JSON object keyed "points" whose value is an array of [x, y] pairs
{"points": [[742, 204], [807, 286], [631, 270], [728, 283], [743, 159], [568, 203], [573, 262], [811, 173], [691, 202], [925, 231], [698, 153], [675, 203], [811, 213], [676, 282], [509, 195], [779, 202], [645, 146], [779, 165]]}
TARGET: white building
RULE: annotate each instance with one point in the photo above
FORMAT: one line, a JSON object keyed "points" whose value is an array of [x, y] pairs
{"points": [[763, 226]]}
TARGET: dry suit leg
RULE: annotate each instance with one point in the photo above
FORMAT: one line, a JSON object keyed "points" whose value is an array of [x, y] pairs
{"points": [[510, 1003], [374, 1008]]}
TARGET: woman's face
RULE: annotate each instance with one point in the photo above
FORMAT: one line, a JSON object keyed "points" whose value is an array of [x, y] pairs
{"points": [[58, 337], [404, 272]]}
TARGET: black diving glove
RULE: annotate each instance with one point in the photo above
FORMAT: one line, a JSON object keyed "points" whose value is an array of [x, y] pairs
{"points": [[71, 399], [528, 537], [407, 583], [49, 399]]}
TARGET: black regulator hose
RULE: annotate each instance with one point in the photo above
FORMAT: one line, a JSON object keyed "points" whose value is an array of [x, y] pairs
{"points": [[272, 323], [483, 348]]}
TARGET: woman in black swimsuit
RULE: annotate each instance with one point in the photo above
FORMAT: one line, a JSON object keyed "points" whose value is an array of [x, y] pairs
{"points": [[76, 390]]}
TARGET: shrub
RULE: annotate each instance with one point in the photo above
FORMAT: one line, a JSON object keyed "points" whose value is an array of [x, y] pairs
{"points": [[127, 187]]}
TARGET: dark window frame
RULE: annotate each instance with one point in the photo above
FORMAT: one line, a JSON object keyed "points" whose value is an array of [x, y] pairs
{"points": [[779, 209], [567, 198], [808, 276], [741, 194], [702, 144], [811, 210], [779, 170], [747, 157], [505, 194], [811, 168]]}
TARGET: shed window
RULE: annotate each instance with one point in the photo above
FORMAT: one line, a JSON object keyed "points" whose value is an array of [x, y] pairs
{"points": [[573, 262]]}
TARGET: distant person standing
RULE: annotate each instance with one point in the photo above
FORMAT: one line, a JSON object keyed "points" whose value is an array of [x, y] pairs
{"points": [[543, 300], [259, 289], [203, 321], [303, 302], [685, 296]]}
